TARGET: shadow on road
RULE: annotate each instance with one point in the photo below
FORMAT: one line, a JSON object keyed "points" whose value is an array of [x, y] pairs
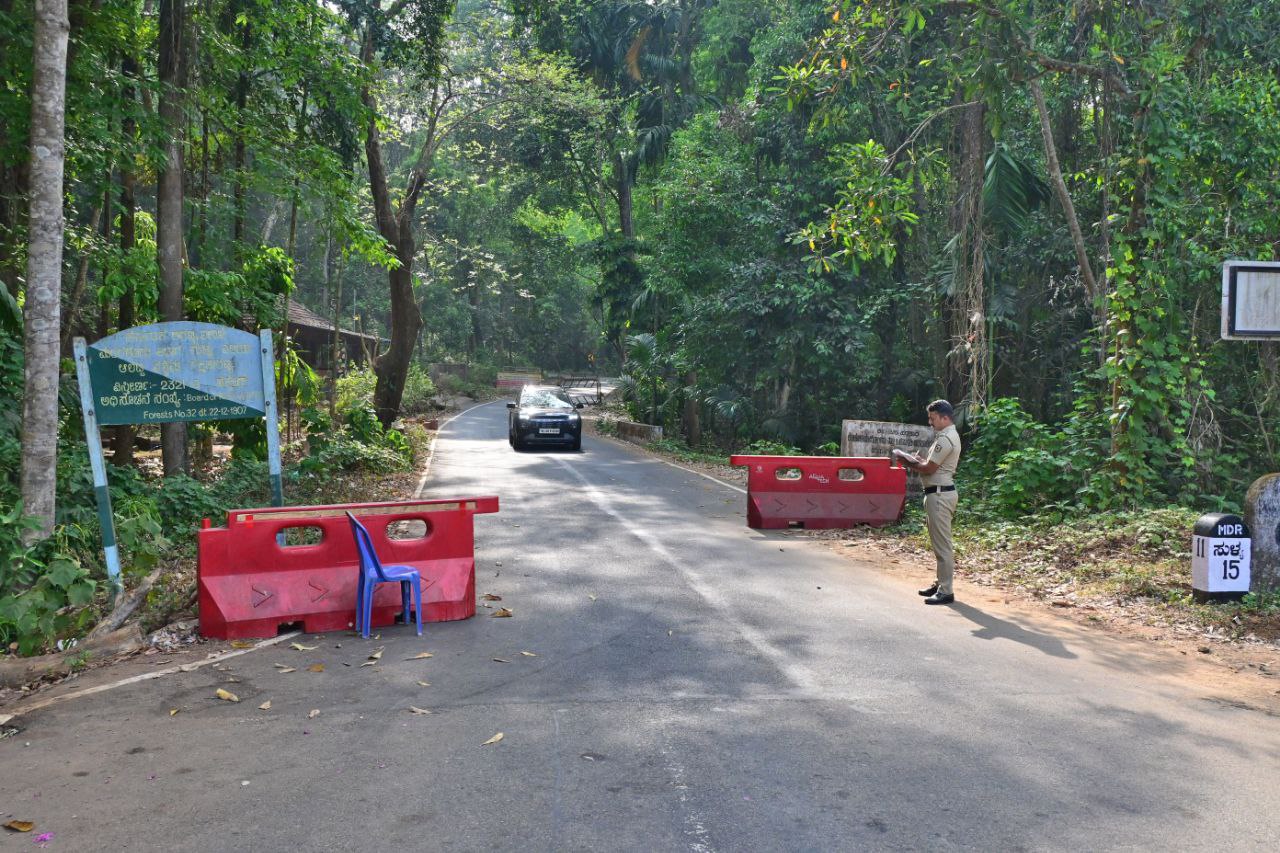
{"points": [[998, 629]]}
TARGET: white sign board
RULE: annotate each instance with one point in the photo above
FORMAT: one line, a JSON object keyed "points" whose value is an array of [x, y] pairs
{"points": [[1220, 555], [1250, 300]]}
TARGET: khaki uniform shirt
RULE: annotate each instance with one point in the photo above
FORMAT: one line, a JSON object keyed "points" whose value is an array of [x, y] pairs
{"points": [[945, 450]]}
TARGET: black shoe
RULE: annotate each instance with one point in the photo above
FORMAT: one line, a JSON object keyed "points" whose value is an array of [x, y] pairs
{"points": [[939, 598], [930, 591]]}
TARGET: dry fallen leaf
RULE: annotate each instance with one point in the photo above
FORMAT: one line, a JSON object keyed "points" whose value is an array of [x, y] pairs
{"points": [[592, 597], [376, 655], [20, 825], [241, 644], [493, 739], [265, 706], [302, 648], [286, 669], [313, 713], [226, 695], [501, 612], [421, 655], [501, 660], [173, 712], [370, 663], [418, 710], [316, 667], [424, 683], [530, 654], [488, 596]]}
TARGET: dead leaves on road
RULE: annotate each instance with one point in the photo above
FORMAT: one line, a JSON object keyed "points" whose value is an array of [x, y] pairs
{"points": [[20, 825], [303, 648], [226, 695], [502, 612], [493, 739]]}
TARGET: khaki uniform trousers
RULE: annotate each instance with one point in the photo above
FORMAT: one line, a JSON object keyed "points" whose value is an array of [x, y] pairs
{"points": [[939, 508]]}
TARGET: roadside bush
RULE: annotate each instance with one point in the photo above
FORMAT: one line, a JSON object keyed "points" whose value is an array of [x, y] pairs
{"points": [[1018, 466], [355, 389], [767, 447], [419, 391], [343, 452], [483, 376]]}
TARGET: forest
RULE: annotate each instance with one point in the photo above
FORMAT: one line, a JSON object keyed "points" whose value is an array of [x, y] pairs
{"points": [[765, 216]]}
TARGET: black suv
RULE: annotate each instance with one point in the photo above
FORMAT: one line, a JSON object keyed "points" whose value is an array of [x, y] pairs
{"points": [[544, 415]]}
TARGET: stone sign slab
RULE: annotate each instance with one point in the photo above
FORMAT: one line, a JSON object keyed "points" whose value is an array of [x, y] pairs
{"points": [[1262, 514], [877, 438]]}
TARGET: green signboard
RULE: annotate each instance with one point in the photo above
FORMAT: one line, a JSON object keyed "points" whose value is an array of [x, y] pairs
{"points": [[154, 374], [167, 372]]}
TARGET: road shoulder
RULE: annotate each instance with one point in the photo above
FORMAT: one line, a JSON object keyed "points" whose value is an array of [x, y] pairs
{"points": [[1233, 671]]}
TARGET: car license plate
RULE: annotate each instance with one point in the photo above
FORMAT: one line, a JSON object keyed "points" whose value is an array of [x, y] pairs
{"points": [[548, 431]]}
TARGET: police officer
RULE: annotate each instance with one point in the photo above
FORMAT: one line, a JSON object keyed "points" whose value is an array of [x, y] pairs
{"points": [[938, 470]]}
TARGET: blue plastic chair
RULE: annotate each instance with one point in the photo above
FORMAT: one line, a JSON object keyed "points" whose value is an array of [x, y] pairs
{"points": [[372, 573]]}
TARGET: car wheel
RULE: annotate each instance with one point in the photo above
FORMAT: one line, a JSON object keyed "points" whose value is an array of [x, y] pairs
{"points": [[577, 442]]}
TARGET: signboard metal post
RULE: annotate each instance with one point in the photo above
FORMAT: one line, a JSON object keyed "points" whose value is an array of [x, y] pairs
{"points": [[94, 441], [272, 414]]}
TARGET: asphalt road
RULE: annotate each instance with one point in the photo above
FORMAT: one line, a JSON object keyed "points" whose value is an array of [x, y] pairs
{"points": [[696, 686]]}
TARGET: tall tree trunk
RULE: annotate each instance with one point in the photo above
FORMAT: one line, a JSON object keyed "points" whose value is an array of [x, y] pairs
{"points": [[1064, 197], [692, 411], [122, 435], [396, 227], [44, 266], [77, 291], [300, 129], [626, 222], [202, 206], [241, 154], [334, 361], [969, 369], [169, 191]]}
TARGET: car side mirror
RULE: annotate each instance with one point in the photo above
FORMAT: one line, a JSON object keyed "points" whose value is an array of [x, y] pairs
{"points": [[511, 405], [577, 405]]}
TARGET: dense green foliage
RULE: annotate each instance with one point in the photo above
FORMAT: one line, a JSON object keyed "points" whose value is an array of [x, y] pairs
{"points": [[853, 211]]}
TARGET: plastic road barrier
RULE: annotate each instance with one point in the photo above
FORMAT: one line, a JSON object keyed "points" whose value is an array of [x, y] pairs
{"points": [[818, 492], [252, 579]]}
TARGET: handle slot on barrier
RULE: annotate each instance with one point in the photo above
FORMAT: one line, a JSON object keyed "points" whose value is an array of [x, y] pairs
{"points": [[301, 536], [787, 473], [408, 529], [852, 475]]}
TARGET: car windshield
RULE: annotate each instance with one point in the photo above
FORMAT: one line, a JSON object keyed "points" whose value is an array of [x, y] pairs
{"points": [[545, 399]]}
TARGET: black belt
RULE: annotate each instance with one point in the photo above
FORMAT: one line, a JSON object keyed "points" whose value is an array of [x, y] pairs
{"points": [[929, 490]]}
